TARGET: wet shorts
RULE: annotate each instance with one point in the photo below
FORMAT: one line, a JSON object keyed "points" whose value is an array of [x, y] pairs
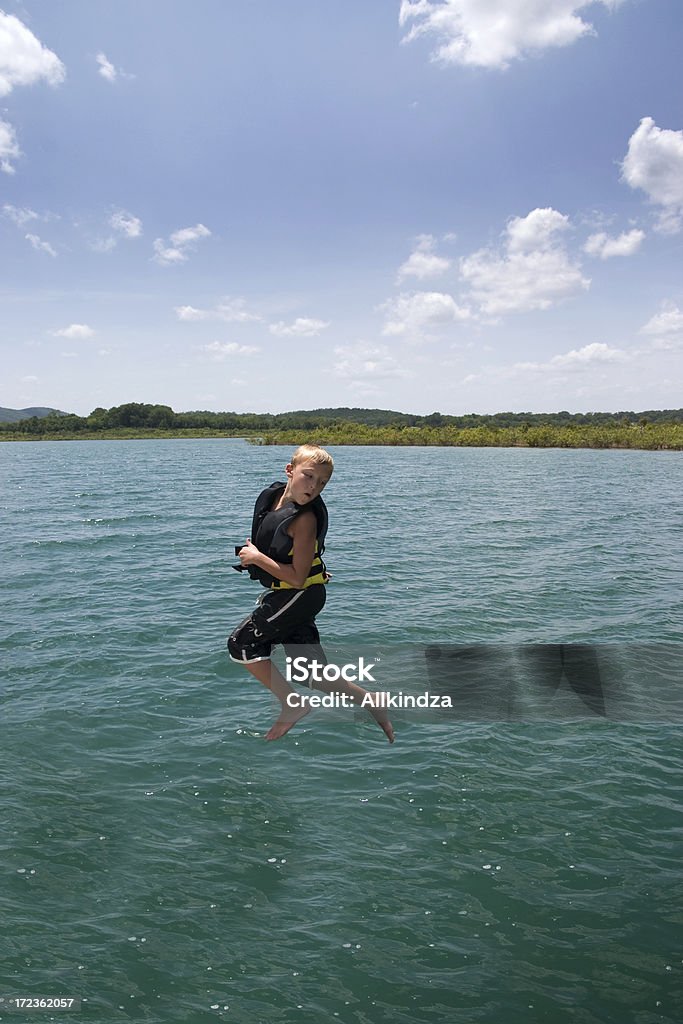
{"points": [[281, 617]]}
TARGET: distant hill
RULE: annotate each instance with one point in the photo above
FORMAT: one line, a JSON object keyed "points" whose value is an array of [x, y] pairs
{"points": [[14, 415]]}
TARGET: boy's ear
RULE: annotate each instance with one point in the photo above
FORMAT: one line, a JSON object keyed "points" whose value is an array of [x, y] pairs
{"points": [[289, 469]]}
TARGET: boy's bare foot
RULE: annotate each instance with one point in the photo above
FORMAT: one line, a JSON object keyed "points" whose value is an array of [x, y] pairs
{"points": [[383, 722], [381, 717], [288, 718]]}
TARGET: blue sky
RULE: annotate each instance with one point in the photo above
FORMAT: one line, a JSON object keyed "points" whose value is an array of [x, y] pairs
{"points": [[458, 205]]}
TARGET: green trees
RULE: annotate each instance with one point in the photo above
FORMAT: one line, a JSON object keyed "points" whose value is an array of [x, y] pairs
{"points": [[661, 429]]}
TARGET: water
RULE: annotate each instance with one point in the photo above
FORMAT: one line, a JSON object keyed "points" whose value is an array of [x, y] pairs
{"points": [[162, 863]]}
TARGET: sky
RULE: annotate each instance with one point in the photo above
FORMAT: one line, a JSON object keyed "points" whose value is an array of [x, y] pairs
{"points": [[245, 205]]}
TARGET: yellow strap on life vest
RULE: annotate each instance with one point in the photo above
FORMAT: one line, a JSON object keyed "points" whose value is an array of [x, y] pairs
{"points": [[316, 574]]}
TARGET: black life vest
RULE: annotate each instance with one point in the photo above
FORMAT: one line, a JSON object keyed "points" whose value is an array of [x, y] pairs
{"points": [[269, 534]]}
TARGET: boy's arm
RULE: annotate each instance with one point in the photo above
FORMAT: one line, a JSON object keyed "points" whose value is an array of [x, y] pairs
{"points": [[303, 534]]}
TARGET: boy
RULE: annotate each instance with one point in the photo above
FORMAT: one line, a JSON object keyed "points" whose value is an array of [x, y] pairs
{"points": [[284, 553]]}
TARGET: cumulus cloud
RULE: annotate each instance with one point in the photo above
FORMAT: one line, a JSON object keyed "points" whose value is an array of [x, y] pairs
{"points": [[665, 328], [491, 33], [126, 224], [415, 316], [654, 163], [533, 271], [75, 331], [669, 321], [597, 352], [9, 147], [423, 261], [23, 58], [600, 244], [538, 230], [23, 61], [40, 246], [166, 255], [575, 360], [302, 327], [182, 242], [220, 350], [229, 310], [106, 69]]}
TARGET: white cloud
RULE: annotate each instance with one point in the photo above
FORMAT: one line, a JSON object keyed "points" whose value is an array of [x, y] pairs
{"points": [[600, 244], [303, 327], [575, 360], [182, 242], [186, 236], [538, 230], [423, 261], [219, 350], [20, 216], [654, 163], [229, 310], [669, 321], [491, 33], [597, 352], [29, 379], [126, 224], [416, 315], [190, 313], [166, 255], [106, 68], [40, 246], [534, 270], [74, 331], [23, 59], [9, 147]]}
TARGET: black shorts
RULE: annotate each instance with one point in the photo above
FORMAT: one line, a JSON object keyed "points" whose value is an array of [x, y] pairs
{"points": [[284, 617]]}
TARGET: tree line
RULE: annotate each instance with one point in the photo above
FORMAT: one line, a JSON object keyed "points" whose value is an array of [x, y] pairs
{"points": [[640, 435], [655, 429], [141, 416]]}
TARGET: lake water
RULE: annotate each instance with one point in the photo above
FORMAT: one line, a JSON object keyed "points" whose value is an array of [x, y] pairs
{"points": [[161, 862]]}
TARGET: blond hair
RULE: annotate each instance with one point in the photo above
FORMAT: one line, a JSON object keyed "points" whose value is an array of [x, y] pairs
{"points": [[312, 453]]}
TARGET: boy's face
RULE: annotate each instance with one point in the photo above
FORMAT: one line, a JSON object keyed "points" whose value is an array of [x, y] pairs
{"points": [[307, 480]]}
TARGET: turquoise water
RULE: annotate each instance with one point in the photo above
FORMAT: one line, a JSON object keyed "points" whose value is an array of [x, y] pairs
{"points": [[161, 862]]}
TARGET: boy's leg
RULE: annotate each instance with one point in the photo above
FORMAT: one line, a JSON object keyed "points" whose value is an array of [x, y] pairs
{"points": [[251, 643], [358, 694], [304, 642], [288, 617], [292, 708]]}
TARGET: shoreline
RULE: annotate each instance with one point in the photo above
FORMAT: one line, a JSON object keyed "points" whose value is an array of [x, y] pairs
{"points": [[655, 437]]}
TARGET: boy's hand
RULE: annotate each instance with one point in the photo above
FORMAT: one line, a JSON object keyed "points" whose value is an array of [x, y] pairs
{"points": [[247, 554]]}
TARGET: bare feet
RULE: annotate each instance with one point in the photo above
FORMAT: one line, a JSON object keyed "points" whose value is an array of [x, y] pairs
{"points": [[288, 718], [383, 722], [381, 717]]}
